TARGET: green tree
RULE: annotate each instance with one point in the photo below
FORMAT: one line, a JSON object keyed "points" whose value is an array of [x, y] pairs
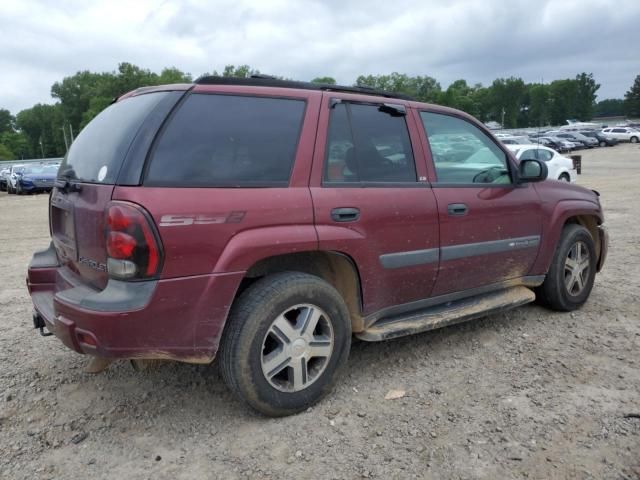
{"points": [[7, 121], [461, 96], [609, 107], [538, 104], [425, 89], [586, 88], [507, 96], [42, 126], [17, 143], [325, 80], [562, 101], [5, 153], [75, 94], [632, 99], [86, 94], [173, 75], [241, 71]]}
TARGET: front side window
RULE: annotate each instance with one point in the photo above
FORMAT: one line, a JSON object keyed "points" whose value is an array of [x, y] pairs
{"points": [[228, 141], [462, 153], [368, 144]]}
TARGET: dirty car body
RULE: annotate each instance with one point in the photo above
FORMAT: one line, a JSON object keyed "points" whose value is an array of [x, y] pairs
{"points": [[160, 226]]}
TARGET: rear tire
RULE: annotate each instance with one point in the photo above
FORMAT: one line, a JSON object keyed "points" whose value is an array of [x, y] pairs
{"points": [[564, 178], [572, 271], [285, 342], [634, 140], [603, 143]]}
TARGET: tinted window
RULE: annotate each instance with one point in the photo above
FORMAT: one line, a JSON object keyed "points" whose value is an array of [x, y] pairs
{"points": [[225, 140], [97, 154], [544, 155], [530, 154], [366, 144], [462, 153], [619, 130]]}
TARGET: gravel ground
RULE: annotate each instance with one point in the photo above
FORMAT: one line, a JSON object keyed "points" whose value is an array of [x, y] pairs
{"points": [[529, 393]]}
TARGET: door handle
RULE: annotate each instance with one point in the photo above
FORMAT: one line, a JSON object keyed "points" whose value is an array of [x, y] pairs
{"points": [[345, 214], [457, 209]]}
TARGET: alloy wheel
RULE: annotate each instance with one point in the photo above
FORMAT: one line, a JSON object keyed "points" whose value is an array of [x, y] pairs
{"points": [[297, 348], [576, 268]]}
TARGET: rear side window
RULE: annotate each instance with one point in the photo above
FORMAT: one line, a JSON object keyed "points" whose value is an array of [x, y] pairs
{"points": [[544, 155], [228, 141], [366, 144], [97, 154], [530, 154]]}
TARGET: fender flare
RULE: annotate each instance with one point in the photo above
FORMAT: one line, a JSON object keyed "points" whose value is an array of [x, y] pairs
{"points": [[562, 211], [250, 246]]}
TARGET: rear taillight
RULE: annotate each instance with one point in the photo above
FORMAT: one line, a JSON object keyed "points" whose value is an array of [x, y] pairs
{"points": [[134, 251]]}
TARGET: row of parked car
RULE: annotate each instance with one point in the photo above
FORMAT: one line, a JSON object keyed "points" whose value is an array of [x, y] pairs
{"points": [[569, 140], [28, 178]]}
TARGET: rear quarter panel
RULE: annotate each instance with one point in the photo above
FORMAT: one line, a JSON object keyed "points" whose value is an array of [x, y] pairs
{"points": [[219, 230]]}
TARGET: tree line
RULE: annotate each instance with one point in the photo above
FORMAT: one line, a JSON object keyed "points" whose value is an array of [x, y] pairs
{"points": [[45, 130]]}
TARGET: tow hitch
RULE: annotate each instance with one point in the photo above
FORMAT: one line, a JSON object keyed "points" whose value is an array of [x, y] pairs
{"points": [[38, 323]]}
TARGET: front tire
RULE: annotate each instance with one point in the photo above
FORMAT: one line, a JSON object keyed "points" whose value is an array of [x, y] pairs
{"points": [[603, 143], [572, 271], [285, 342]]}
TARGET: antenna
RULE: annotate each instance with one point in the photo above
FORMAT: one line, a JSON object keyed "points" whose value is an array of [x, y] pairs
{"points": [[540, 118]]}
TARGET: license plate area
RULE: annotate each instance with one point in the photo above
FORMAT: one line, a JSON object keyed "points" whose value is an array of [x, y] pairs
{"points": [[63, 228]]}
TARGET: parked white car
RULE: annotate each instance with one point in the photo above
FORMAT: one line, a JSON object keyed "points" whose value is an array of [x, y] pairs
{"points": [[4, 178], [560, 167], [515, 140], [12, 178], [622, 134]]}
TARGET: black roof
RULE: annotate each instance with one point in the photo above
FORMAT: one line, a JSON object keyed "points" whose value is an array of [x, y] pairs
{"points": [[269, 81]]}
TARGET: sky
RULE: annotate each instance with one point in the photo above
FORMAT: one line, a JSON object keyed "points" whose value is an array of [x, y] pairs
{"points": [[41, 42]]}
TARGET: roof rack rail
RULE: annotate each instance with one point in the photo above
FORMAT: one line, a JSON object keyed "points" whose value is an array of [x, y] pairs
{"points": [[270, 81]]}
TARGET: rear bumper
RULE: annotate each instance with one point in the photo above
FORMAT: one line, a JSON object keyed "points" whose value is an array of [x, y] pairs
{"points": [[603, 235], [179, 319]]}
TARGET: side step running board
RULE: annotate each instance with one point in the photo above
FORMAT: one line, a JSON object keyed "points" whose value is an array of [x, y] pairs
{"points": [[447, 314]]}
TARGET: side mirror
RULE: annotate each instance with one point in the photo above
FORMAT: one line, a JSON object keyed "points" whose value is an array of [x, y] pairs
{"points": [[532, 171]]}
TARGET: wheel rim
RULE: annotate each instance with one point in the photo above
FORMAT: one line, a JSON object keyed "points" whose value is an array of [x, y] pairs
{"points": [[576, 268], [297, 348]]}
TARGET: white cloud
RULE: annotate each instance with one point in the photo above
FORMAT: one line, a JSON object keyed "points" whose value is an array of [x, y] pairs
{"points": [[43, 41]]}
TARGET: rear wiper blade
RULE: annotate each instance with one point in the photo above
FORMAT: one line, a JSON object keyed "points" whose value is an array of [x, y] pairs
{"points": [[65, 185]]}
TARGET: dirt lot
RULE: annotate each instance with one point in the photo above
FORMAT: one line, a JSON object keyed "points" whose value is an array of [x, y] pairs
{"points": [[529, 393]]}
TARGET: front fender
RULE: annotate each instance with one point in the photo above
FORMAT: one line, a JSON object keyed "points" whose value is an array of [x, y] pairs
{"points": [[552, 228]]}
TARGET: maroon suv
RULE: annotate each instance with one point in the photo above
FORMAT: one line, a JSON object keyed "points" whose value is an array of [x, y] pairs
{"points": [[267, 221]]}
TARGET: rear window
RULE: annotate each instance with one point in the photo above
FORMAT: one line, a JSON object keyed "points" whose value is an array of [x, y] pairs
{"points": [[97, 154], [228, 141]]}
